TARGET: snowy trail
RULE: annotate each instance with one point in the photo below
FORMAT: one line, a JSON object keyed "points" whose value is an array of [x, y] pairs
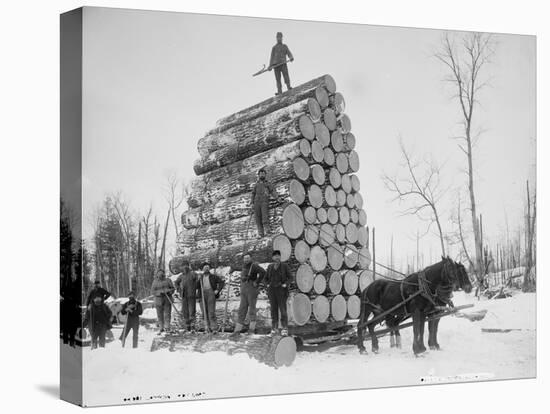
{"points": [[113, 374]]}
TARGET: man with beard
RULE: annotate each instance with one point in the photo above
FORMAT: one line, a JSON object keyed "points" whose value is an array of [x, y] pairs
{"points": [[261, 192], [98, 320], [186, 285], [209, 287]]}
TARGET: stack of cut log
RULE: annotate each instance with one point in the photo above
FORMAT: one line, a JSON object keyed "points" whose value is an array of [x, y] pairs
{"points": [[317, 220]]}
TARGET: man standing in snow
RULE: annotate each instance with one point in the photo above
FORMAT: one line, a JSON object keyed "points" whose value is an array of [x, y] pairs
{"points": [[186, 286], [162, 290], [211, 285], [97, 290], [132, 309], [277, 62], [261, 192], [277, 279], [98, 320], [251, 277]]}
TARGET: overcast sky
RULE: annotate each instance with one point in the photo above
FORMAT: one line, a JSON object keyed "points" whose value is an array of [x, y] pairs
{"points": [[154, 82]]}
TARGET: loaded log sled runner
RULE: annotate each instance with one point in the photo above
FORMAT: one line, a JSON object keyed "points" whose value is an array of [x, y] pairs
{"points": [[420, 295]]}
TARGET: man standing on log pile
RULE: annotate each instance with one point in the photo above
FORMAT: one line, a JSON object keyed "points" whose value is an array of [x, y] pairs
{"points": [[279, 52], [252, 275], [211, 285], [162, 289], [97, 290], [261, 192], [186, 286], [277, 279]]}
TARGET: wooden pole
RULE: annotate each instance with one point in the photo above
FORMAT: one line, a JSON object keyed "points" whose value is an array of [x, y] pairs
{"points": [[374, 252], [163, 248]]}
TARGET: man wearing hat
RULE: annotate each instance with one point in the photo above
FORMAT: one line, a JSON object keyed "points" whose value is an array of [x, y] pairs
{"points": [[211, 285], [98, 320], [261, 192], [97, 290], [279, 52], [252, 275], [132, 309], [277, 279], [162, 289], [186, 285]]}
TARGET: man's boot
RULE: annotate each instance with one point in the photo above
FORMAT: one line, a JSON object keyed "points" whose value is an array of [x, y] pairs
{"points": [[252, 328]]}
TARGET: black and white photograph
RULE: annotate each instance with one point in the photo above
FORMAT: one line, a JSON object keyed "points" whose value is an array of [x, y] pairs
{"points": [[258, 206]]}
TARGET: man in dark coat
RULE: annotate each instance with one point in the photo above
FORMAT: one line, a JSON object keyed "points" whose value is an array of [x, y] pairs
{"points": [[278, 278], [277, 62], [261, 192], [251, 277], [98, 320], [186, 286], [162, 289], [212, 285], [132, 309], [97, 290]]}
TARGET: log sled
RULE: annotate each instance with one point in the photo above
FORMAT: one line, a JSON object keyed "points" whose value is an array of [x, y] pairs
{"points": [[317, 217]]}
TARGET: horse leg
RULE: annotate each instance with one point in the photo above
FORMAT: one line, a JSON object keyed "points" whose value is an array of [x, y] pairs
{"points": [[392, 339], [433, 327], [422, 323], [361, 328], [373, 338], [397, 339], [416, 318]]}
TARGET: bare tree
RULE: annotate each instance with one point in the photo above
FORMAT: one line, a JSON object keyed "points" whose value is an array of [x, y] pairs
{"points": [[419, 186], [176, 191], [530, 222], [465, 58]]}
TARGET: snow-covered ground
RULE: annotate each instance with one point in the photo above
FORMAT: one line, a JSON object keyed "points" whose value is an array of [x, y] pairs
{"points": [[115, 376]]}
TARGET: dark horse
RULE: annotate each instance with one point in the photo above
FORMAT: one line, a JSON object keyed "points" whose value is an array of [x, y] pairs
{"points": [[424, 292]]}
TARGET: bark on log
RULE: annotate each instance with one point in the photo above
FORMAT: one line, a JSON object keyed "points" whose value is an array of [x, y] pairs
{"points": [[230, 208], [239, 177], [338, 308], [335, 283], [366, 277], [262, 134], [351, 281], [296, 94], [354, 307], [301, 251], [276, 351], [335, 258], [321, 308], [284, 121]]}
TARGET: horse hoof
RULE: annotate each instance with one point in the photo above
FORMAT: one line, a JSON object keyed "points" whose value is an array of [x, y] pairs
{"points": [[363, 352]]}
